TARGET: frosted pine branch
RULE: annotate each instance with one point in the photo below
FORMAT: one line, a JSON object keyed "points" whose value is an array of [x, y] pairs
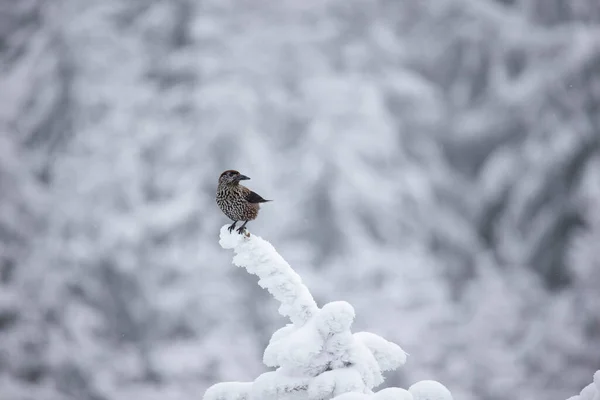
{"points": [[316, 357], [260, 258]]}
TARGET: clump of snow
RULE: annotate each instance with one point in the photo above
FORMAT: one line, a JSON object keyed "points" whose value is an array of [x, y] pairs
{"points": [[335, 317], [276, 385], [591, 391], [429, 390], [389, 355], [229, 391], [335, 382], [393, 394], [316, 357]]}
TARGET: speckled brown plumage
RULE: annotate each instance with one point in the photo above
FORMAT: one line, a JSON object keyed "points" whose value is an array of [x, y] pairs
{"points": [[237, 201]]}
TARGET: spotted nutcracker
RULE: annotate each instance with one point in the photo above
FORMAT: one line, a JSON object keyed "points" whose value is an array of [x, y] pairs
{"points": [[237, 201]]}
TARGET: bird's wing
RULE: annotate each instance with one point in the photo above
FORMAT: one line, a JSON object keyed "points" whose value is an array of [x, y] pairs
{"points": [[253, 197]]}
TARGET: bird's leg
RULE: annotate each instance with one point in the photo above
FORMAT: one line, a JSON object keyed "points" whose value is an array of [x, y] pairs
{"points": [[232, 227], [240, 230]]}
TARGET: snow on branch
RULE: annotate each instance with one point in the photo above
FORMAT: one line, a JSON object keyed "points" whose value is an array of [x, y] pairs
{"points": [[260, 258], [316, 357]]}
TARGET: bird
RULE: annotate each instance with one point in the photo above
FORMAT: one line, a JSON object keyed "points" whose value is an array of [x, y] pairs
{"points": [[236, 201]]}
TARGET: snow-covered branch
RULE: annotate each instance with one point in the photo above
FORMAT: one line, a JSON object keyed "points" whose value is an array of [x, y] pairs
{"points": [[260, 258], [316, 357]]}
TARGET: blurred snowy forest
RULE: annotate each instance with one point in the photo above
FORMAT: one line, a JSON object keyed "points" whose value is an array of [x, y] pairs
{"points": [[435, 163]]}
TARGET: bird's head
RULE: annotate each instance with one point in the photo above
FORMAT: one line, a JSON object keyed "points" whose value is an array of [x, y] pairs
{"points": [[231, 177]]}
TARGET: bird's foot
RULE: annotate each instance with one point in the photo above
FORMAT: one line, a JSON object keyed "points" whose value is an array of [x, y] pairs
{"points": [[231, 227], [241, 229]]}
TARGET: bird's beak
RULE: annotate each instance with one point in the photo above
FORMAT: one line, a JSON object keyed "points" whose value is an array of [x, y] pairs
{"points": [[243, 178]]}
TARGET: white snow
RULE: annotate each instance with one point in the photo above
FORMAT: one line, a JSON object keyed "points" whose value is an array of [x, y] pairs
{"points": [[429, 390], [389, 355], [393, 394], [591, 391], [316, 356], [229, 391], [260, 258], [352, 396], [337, 382]]}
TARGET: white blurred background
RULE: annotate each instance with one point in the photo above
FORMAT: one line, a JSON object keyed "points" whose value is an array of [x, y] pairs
{"points": [[435, 163]]}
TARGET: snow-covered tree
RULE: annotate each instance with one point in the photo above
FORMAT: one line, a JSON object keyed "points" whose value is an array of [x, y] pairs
{"points": [[316, 356], [35, 74]]}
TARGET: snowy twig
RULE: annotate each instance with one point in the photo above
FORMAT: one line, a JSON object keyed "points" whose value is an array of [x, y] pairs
{"points": [[260, 258]]}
